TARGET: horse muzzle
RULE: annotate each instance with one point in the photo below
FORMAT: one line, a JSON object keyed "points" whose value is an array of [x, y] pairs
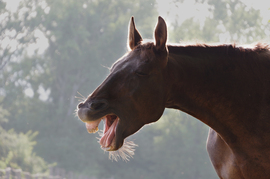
{"points": [[88, 110]]}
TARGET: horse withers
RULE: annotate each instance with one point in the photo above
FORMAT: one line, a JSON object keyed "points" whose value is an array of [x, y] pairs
{"points": [[226, 87]]}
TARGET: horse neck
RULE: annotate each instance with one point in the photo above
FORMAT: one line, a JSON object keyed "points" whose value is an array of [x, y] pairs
{"points": [[205, 85]]}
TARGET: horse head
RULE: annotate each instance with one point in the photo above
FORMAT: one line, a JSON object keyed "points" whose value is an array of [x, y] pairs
{"points": [[133, 94]]}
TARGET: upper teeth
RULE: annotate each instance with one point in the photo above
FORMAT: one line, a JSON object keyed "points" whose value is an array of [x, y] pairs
{"points": [[94, 130]]}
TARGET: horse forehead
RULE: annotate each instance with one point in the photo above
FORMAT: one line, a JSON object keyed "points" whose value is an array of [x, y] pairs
{"points": [[126, 62], [132, 60], [147, 53]]}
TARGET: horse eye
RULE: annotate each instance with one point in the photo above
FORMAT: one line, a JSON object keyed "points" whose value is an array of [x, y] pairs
{"points": [[141, 73]]}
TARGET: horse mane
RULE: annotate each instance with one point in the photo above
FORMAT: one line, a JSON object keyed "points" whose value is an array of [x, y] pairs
{"points": [[260, 47], [225, 49]]}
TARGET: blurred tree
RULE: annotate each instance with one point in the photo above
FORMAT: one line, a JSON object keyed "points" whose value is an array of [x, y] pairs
{"points": [[16, 34], [232, 18]]}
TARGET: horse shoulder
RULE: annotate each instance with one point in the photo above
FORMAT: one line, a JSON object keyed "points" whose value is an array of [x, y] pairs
{"points": [[222, 157]]}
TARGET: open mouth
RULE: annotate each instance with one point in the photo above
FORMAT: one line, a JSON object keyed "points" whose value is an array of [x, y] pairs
{"points": [[107, 140], [108, 136]]}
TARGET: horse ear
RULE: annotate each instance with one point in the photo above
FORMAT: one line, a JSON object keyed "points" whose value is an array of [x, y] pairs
{"points": [[161, 34], [134, 37]]}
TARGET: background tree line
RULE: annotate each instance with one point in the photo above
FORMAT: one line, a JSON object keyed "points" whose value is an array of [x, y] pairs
{"points": [[38, 127]]}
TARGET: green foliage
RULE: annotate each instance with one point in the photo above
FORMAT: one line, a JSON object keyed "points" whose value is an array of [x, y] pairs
{"points": [[16, 150]]}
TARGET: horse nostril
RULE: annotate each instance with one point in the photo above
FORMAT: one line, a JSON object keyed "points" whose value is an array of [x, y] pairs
{"points": [[98, 105], [80, 105]]}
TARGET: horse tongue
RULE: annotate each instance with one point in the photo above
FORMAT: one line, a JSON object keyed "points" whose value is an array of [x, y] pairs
{"points": [[107, 138]]}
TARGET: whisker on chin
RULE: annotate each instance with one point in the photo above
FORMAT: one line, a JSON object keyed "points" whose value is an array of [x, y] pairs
{"points": [[125, 152], [75, 113]]}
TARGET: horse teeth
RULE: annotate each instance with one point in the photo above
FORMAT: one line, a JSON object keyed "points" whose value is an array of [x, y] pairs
{"points": [[93, 130], [106, 148]]}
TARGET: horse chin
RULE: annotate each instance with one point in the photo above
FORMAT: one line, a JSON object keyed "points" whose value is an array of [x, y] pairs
{"points": [[120, 147], [124, 149], [114, 146]]}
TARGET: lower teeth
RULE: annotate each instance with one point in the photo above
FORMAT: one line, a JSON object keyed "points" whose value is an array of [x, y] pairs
{"points": [[106, 148]]}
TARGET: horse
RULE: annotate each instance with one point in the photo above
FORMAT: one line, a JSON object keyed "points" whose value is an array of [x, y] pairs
{"points": [[227, 87]]}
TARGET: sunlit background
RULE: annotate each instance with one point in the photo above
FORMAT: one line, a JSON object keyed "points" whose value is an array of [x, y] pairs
{"points": [[53, 53]]}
